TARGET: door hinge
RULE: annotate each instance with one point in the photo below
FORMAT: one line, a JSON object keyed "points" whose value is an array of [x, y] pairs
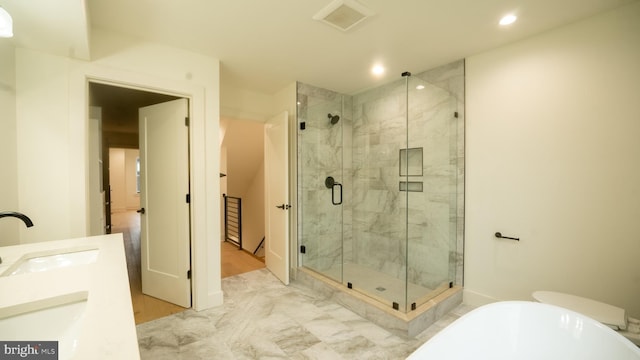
{"points": [[303, 249], [188, 198], [188, 274], [186, 121]]}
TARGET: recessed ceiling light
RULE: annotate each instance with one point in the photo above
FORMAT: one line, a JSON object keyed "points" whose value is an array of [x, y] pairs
{"points": [[6, 24], [377, 70], [419, 87], [508, 20]]}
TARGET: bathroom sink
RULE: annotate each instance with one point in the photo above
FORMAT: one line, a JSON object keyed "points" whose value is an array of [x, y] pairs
{"points": [[54, 259], [51, 319]]}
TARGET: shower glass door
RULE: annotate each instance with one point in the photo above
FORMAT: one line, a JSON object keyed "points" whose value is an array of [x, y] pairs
{"points": [[375, 248], [321, 178], [431, 174]]}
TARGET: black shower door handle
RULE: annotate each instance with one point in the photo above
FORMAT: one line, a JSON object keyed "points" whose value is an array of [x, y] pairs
{"points": [[333, 194]]}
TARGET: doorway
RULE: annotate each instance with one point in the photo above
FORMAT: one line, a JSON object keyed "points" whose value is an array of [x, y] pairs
{"points": [[242, 179], [254, 170], [119, 130]]}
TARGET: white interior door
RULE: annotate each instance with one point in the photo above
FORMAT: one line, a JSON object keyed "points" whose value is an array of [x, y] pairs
{"points": [[164, 187], [276, 163]]}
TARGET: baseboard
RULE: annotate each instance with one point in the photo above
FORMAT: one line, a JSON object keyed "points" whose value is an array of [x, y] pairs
{"points": [[476, 299], [213, 299]]}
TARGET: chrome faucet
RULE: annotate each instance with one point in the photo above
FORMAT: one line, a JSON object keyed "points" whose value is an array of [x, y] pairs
{"points": [[18, 215]]}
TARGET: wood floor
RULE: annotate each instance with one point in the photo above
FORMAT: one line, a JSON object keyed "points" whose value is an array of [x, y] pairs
{"points": [[147, 308], [236, 261]]}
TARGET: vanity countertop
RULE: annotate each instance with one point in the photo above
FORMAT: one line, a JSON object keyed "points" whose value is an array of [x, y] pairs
{"points": [[108, 328]]}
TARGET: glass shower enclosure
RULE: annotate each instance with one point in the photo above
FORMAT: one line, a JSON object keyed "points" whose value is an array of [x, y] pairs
{"points": [[379, 189]]}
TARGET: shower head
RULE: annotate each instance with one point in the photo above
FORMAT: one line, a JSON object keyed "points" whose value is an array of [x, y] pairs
{"points": [[334, 119]]}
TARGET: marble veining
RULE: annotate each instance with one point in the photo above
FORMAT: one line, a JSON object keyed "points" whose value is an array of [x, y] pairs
{"points": [[263, 319], [377, 225]]}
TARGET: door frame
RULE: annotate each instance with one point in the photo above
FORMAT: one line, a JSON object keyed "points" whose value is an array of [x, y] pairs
{"points": [[206, 283], [108, 161]]}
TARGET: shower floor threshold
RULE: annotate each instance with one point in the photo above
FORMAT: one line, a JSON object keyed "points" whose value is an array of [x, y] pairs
{"points": [[382, 287], [407, 324]]}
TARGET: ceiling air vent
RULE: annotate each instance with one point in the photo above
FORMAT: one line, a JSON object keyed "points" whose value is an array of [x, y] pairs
{"points": [[343, 14]]}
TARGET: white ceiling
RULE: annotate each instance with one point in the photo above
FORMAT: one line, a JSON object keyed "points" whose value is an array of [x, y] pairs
{"points": [[264, 45]]}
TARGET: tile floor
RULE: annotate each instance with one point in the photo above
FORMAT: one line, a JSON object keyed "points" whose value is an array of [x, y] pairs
{"points": [[263, 319]]}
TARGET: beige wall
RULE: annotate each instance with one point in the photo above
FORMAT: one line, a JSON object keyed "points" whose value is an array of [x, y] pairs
{"points": [[552, 146], [243, 141], [117, 179], [52, 145], [244, 162], [132, 197], [243, 104], [9, 234], [45, 150], [122, 174], [253, 211]]}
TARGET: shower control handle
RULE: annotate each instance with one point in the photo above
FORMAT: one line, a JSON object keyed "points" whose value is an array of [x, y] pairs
{"points": [[333, 201], [331, 183]]}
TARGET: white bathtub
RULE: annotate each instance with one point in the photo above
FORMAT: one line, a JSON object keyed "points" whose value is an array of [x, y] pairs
{"points": [[526, 330]]}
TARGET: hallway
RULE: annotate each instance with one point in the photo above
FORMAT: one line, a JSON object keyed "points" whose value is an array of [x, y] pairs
{"points": [[235, 262], [147, 308]]}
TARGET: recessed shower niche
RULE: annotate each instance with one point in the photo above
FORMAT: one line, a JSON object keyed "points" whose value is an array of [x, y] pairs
{"points": [[411, 166], [411, 162], [397, 152]]}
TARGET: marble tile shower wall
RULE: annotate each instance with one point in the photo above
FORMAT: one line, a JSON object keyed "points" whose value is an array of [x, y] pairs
{"points": [[431, 114], [371, 230], [379, 216], [450, 77], [435, 215], [321, 154]]}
